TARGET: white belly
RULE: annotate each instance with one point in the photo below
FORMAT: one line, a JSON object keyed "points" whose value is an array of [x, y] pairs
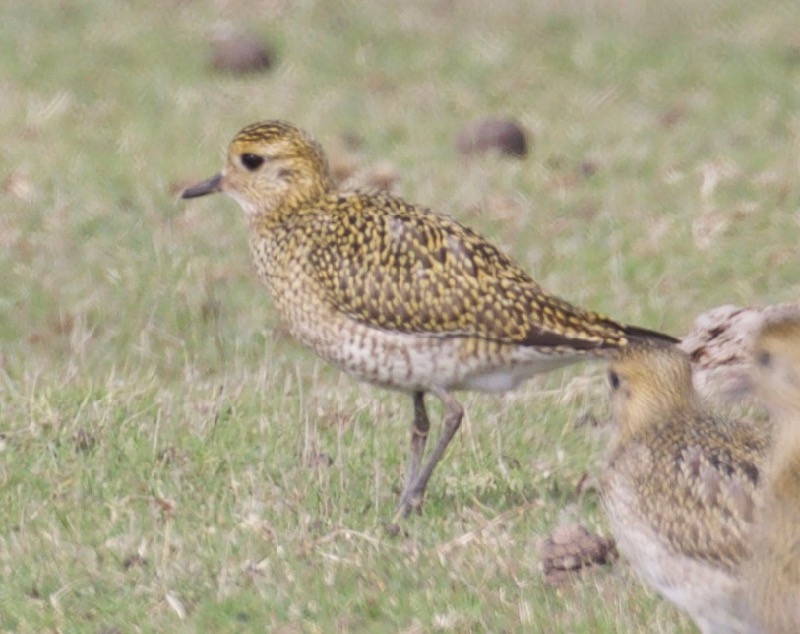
{"points": [[412, 362]]}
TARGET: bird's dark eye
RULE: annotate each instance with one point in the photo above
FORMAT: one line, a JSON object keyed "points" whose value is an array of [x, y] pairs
{"points": [[764, 359], [613, 379], [252, 161]]}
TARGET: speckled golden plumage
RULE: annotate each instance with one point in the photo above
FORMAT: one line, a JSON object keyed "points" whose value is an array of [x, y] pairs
{"points": [[681, 486], [392, 293], [774, 573]]}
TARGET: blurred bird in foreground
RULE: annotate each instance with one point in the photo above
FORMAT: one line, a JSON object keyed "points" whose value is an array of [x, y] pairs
{"points": [[774, 573], [681, 487], [394, 294], [720, 344]]}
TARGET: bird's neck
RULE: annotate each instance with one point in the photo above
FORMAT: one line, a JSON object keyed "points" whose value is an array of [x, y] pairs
{"points": [[648, 414], [281, 206]]}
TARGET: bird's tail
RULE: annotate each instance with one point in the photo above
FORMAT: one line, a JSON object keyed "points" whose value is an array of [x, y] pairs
{"points": [[636, 334]]}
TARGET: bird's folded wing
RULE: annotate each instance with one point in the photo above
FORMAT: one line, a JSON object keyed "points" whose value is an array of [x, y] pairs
{"points": [[397, 267], [708, 502]]}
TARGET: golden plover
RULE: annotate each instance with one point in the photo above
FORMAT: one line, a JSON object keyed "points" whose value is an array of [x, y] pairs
{"points": [[681, 487], [774, 572], [394, 294]]}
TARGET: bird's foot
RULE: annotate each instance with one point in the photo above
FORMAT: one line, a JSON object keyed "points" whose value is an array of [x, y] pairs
{"points": [[410, 500]]}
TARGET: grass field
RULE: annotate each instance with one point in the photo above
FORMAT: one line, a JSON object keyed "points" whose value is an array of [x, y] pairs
{"points": [[170, 461]]}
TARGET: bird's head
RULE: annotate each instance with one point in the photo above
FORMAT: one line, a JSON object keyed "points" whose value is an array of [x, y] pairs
{"points": [[270, 165], [649, 384], [776, 367]]}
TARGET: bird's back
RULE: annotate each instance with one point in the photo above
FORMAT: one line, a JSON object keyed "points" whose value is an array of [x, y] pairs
{"points": [[682, 506], [397, 267], [697, 483]]}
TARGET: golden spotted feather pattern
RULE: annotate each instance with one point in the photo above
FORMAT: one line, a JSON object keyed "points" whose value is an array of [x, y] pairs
{"points": [[394, 266], [705, 495]]}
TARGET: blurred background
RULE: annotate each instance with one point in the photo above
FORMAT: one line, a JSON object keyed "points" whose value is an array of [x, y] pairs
{"points": [[165, 446], [659, 175]]}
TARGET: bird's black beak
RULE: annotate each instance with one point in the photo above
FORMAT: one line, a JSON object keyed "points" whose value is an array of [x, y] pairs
{"points": [[210, 186]]}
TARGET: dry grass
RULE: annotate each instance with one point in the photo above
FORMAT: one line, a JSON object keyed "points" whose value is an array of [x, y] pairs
{"points": [[169, 461]]}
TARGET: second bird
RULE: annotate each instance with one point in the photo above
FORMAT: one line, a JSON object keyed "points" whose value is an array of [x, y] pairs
{"points": [[394, 294]]}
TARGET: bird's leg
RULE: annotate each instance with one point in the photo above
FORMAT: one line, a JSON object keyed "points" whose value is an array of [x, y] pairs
{"points": [[419, 434], [453, 413]]}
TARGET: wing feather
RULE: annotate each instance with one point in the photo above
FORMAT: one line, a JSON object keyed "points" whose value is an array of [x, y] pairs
{"points": [[399, 267]]}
